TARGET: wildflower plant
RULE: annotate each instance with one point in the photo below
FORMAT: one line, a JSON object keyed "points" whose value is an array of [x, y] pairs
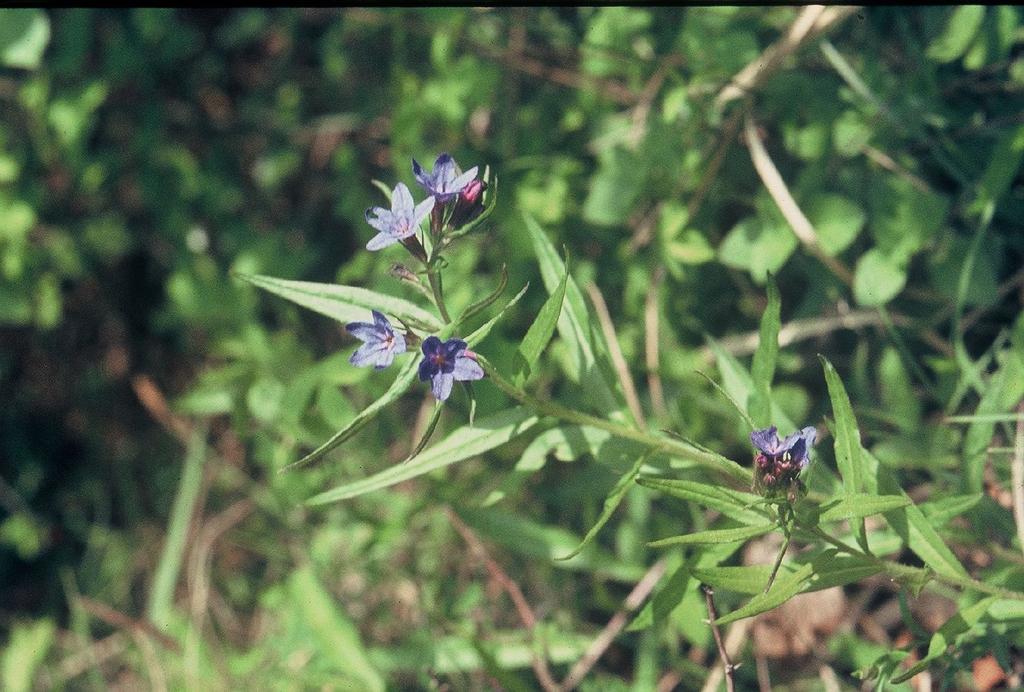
{"points": [[784, 487]]}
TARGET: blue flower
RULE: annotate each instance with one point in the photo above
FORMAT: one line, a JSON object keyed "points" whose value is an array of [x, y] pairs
{"points": [[382, 342], [446, 361], [445, 181], [778, 461], [400, 222]]}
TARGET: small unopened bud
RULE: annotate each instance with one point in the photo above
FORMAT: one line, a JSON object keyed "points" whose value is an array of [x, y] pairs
{"points": [[470, 203], [403, 273]]}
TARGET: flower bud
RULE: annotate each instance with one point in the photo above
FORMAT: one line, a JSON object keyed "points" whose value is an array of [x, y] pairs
{"points": [[470, 203]]}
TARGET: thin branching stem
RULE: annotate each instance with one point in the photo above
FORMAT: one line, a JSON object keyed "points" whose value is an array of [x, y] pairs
{"points": [[662, 444]]}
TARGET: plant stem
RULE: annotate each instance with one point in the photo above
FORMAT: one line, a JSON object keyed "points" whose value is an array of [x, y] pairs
{"points": [[786, 529], [435, 286], [661, 444], [899, 570]]}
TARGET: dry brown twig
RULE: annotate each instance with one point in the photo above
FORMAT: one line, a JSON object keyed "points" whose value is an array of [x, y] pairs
{"points": [[727, 665], [1017, 475], [526, 615], [604, 318], [636, 597], [813, 21], [734, 641], [651, 355]]}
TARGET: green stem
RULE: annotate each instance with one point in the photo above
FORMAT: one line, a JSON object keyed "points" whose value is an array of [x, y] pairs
{"points": [[782, 554], [656, 443], [899, 570], [435, 286]]}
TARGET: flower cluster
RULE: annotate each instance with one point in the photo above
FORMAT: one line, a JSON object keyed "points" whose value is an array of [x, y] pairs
{"points": [[455, 199], [778, 462], [444, 362]]}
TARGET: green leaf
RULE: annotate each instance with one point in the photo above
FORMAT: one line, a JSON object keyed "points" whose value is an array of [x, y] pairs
{"points": [[406, 378], [836, 219], [749, 579], [1002, 169], [435, 417], [759, 246], [847, 434], [847, 441], [741, 533], [337, 638], [464, 443], [24, 35], [946, 636], [737, 383], [539, 333], [484, 303], [25, 651], [611, 503], [344, 303], [665, 600], [483, 330], [762, 370], [914, 528], [741, 506], [860, 505], [575, 328], [938, 512], [878, 278], [963, 25], [838, 570], [784, 588]]}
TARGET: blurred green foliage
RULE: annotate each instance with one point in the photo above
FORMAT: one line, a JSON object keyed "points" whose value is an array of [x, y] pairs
{"points": [[146, 155]]}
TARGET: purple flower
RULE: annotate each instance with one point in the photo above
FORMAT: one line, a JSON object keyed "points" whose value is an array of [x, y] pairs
{"points": [[446, 361], [382, 342], [778, 461], [445, 181], [400, 222]]}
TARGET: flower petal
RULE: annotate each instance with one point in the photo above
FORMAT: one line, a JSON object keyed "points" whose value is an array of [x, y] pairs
{"points": [[384, 220], [401, 199], [381, 240], [463, 180], [364, 331], [384, 359], [427, 370], [399, 343], [766, 440], [422, 210], [367, 354], [431, 345], [381, 321], [467, 369], [441, 385]]}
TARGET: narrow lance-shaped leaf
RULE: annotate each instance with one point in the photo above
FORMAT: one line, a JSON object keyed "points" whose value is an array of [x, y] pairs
{"points": [[483, 330], [611, 503], [741, 506], [335, 635], [733, 535], [748, 579], [946, 636], [406, 378], [344, 303], [917, 532], [762, 370], [860, 505], [463, 443], [484, 303], [575, 328], [539, 333], [847, 441], [784, 588]]}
